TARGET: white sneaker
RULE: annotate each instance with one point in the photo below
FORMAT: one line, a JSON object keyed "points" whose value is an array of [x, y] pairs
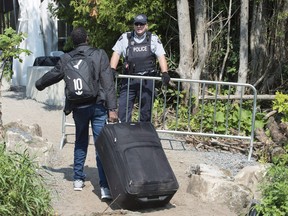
{"points": [[105, 193], [78, 185]]}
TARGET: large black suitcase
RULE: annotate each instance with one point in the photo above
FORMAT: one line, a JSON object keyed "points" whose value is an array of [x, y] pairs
{"points": [[137, 170]]}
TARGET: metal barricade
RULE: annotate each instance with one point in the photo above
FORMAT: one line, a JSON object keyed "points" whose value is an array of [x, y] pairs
{"points": [[174, 110]]}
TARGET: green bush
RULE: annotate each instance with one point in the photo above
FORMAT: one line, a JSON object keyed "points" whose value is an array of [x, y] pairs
{"points": [[280, 104], [22, 190], [9, 45], [219, 117], [274, 188]]}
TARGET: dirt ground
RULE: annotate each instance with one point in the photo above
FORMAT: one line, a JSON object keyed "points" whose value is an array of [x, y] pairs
{"points": [[68, 202]]}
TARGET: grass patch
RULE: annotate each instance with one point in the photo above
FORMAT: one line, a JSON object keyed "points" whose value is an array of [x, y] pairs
{"points": [[23, 190], [274, 188]]}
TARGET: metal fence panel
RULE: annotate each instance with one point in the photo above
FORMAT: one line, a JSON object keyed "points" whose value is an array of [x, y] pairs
{"points": [[215, 112]]}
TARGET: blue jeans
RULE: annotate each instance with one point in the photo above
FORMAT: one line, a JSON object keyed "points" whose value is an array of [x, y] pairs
{"points": [[134, 92], [97, 115]]}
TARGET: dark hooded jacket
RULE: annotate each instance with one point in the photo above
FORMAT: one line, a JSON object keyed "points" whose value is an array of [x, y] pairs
{"points": [[106, 93]]}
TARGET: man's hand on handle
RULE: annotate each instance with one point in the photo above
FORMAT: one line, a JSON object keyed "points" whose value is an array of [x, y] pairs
{"points": [[113, 116]]}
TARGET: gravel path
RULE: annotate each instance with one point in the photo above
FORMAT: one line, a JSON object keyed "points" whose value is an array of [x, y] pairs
{"points": [[68, 202]]}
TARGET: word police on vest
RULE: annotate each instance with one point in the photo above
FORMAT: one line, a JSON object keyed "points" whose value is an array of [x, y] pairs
{"points": [[140, 49]]}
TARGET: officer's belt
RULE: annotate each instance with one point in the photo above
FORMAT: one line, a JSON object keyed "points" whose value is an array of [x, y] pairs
{"points": [[145, 73]]}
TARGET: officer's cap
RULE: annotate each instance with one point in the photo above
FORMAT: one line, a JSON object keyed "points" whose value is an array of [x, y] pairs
{"points": [[141, 18]]}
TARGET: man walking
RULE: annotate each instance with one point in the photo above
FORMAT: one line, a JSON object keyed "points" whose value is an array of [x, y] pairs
{"points": [[92, 110]]}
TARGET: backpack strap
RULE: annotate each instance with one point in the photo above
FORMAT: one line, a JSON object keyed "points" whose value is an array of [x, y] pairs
{"points": [[90, 51], [73, 52], [87, 52]]}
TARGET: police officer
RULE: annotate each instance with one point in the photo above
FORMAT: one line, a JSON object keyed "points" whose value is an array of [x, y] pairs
{"points": [[139, 48]]}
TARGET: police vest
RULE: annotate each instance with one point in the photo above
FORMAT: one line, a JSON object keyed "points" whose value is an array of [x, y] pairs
{"points": [[139, 56]]}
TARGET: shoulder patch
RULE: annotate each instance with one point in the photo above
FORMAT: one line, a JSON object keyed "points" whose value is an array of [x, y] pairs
{"points": [[120, 38], [156, 38]]}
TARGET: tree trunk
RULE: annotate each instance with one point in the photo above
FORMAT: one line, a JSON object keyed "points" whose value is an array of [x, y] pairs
{"points": [[258, 43], [269, 38], [185, 44], [185, 40], [243, 61], [201, 43], [1, 122], [227, 42], [278, 137], [201, 37], [1, 76]]}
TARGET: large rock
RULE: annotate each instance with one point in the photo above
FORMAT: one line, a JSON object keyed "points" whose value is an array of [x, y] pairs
{"points": [[20, 138], [211, 184], [250, 177]]}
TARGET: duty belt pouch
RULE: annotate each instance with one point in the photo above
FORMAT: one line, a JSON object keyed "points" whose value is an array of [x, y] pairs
{"points": [[154, 73], [126, 68]]}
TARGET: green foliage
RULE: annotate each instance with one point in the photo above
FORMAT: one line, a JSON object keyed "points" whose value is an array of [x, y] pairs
{"points": [[23, 190], [105, 20], [119, 14], [220, 117], [223, 117], [219, 36], [9, 42], [233, 63], [218, 54], [280, 104], [274, 188]]}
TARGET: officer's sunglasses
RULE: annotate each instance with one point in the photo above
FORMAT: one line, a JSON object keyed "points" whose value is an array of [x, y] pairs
{"points": [[137, 24]]}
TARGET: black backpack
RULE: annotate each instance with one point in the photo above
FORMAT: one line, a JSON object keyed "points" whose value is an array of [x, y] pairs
{"points": [[80, 78]]}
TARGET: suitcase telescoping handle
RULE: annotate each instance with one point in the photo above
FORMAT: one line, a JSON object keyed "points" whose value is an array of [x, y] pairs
{"points": [[108, 122]]}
